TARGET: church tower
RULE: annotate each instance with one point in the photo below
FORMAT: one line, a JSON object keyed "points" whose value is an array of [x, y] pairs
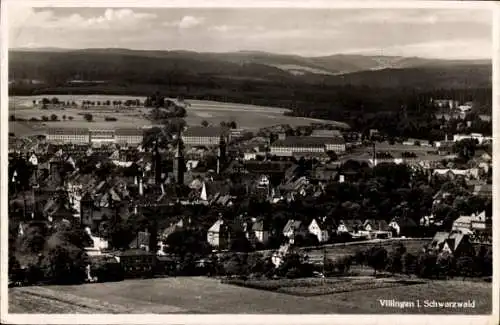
{"points": [[179, 165], [157, 164], [221, 154]]}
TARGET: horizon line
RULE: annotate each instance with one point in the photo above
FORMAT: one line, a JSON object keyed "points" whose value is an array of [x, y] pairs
{"points": [[49, 48]]}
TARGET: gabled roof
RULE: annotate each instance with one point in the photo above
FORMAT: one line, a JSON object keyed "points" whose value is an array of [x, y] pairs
{"points": [[439, 238], [260, 225], [351, 224], [455, 239], [216, 227], [405, 222], [292, 225], [463, 219]]}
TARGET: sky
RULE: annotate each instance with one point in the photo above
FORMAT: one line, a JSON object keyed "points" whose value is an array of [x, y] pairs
{"points": [[430, 33]]}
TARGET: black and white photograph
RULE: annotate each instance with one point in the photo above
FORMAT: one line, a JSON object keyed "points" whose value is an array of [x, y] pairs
{"points": [[259, 160]]}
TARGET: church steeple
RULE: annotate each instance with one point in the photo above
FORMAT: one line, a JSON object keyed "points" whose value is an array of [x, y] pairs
{"points": [[221, 153], [157, 163], [179, 165]]}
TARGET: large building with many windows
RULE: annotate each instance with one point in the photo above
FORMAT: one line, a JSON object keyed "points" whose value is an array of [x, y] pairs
{"points": [[303, 144], [129, 136], [68, 135], [102, 136], [97, 137], [203, 136]]}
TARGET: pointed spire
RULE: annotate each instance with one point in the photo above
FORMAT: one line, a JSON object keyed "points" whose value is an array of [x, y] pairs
{"points": [[203, 195]]}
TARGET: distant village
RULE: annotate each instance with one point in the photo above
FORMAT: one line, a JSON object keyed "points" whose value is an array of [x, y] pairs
{"points": [[155, 202]]}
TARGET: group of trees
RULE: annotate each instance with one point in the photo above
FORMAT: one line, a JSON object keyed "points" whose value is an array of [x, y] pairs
{"points": [[119, 103], [49, 253], [430, 262]]}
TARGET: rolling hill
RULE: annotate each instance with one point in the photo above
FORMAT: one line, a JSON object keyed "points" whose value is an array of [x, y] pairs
{"points": [[327, 65]]}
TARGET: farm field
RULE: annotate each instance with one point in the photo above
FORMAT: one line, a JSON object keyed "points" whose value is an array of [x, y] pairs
{"points": [[246, 116], [207, 295]]}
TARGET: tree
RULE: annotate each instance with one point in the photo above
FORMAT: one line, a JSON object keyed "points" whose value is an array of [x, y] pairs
{"points": [[204, 123], [409, 263], [45, 118], [64, 117], [65, 264], [232, 125], [426, 264], [88, 117], [70, 118], [377, 258], [465, 266], [54, 117], [465, 148], [444, 264], [394, 262], [12, 118]]}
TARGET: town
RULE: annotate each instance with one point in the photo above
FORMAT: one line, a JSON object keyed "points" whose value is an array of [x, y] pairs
{"points": [[103, 204]]}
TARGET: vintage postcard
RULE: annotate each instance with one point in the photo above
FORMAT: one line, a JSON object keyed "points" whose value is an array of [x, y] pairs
{"points": [[254, 162]]}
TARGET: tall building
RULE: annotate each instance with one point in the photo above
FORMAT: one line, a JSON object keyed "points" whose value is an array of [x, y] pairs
{"points": [[221, 153], [179, 164], [157, 164]]}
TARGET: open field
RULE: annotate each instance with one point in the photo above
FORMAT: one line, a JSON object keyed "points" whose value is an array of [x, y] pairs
{"points": [[206, 295], [246, 116]]}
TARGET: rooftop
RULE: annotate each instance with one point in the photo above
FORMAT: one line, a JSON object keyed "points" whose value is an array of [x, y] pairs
{"points": [[201, 131], [305, 141], [68, 131], [129, 131]]}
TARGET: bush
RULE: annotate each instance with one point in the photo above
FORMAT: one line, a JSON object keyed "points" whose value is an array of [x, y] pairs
{"points": [[340, 266], [53, 117], [88, 117], [110, 119]]}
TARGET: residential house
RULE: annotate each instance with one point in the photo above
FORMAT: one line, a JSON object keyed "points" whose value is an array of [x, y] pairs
{"points": [[455, 243], [377, 228], [352, 227], [141, 241], [475, 136], [294, 228], [403, 226], [259, 232], [481, 222], [463, 224], [320, 229], [219, 235], [137, 263]]}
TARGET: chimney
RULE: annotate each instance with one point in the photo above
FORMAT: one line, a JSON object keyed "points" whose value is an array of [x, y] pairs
{"points": [[141, 189], [162, 189]]}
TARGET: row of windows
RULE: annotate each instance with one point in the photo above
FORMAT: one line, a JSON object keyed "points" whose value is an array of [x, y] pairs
{"points": [[299, 149], [201, 140]]}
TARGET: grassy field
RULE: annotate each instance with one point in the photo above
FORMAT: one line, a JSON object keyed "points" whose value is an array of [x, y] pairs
{"points": [[206, 295], [413, 246], [246, 116]]}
